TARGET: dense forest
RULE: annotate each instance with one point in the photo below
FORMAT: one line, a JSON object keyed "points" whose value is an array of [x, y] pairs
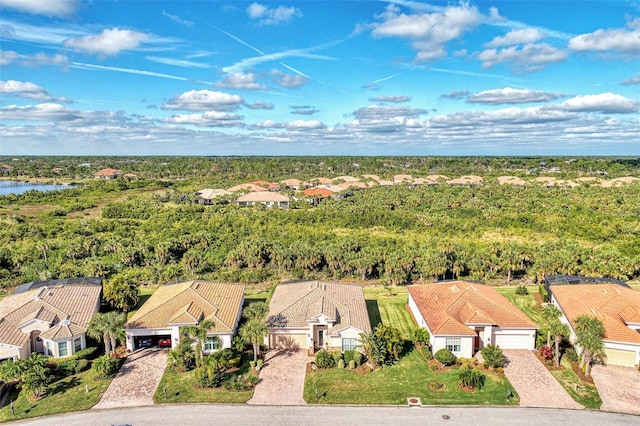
{"points": [[148, 230]]}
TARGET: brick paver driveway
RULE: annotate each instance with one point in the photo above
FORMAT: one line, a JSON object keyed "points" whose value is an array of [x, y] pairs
{"points": [[281, 378], [136, 381], [533, 382], [619, 388]]}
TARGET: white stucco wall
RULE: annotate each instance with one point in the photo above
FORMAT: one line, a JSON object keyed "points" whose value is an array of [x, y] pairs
{"points": [[466, 345]]}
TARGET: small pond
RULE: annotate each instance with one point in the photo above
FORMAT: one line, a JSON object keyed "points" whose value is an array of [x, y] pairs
{"points": [[16, 187]]}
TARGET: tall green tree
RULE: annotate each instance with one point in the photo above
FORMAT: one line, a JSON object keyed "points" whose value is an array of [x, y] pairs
{"points": [[550, 313], [560, 331], [254, 331], [197, 334], [107, 327], [589, 334], [122, 292]]}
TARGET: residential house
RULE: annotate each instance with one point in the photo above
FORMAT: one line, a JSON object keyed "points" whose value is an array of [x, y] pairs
{"points": [[294, 184], [5, 168], [315, 195], [265, 184], [107, 174], [465, 316], [314, 315], [48, 317], [269, 199], [250, 187], [465, 181], [187, 303], [206, 196], [611, 301], [402, 178]]}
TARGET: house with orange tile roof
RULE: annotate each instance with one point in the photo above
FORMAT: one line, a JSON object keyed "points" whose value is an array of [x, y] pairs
{"points": [[317, 315], [48, 317], [464, 316], [615, 304], [107, 173], [187, 303], [266, 184]]}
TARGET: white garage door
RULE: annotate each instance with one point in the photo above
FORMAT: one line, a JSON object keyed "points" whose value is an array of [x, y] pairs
{"points": [[620, 357], [288, 341], [513, 341]]}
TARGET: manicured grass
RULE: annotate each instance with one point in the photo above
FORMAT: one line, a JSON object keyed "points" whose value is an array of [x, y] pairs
{"points": [[68, 394], [583, 393], [390, 309], [181, 389], [410, 377], [527, 303]]}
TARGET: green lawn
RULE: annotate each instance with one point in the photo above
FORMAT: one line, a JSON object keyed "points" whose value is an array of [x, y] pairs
{"points": [[527, 303], [389, 309], [410, 377], [181, 389], [68, 394], [583, 393]]}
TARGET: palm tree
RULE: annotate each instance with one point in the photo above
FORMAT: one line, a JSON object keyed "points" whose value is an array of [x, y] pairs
{"points": [[589, 332], [550, 313], [198, 334], [107, 327], [560, 330], [253, 331], [115, 323]]}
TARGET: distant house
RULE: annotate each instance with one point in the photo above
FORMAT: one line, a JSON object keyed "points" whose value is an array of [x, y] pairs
{"points": [[269, 199], [345, 179], [295, 184], [247, 187], [107, 174], [206, 196], [402, 178], [187, 303], [314, 315], [5, 168], [465, 316], [265, 184], [130, 176], [611, 301], [321, 181], [465, 181], [315, 195], [48, 317]]}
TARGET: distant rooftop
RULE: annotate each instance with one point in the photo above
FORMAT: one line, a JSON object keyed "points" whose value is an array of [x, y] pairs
{"points": [[577, 279], [66, 281]]}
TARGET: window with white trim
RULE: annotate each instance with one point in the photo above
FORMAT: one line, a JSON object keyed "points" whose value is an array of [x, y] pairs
{"points": [[211, 343], [49, 346], [349, 344], [63, 349], [454, 344], [77, 345]]}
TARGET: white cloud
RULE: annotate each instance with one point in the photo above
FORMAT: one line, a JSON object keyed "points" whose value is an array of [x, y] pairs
{"points": [[304, 125], [7, 57], [303, 110], [207, 119], [272, 16], [177, 62], [41, 112], [528, 58], [27, 90], [109, 42], [241, 80], [57, 8], [260, 105], [509, 95], [42, 59], [204, 100], [291, 81], [393, 99], [377, 112], [608, 103], [177, 19], [523, 36], [511, 115], [632, 80], [617, 39], [429, 32]]}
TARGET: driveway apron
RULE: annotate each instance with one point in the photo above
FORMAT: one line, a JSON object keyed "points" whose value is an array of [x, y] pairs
{"points": [[137, 380], [619, 388], [281, 378], [534, 383]]}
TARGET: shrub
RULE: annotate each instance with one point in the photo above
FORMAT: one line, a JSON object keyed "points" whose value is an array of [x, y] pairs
{"points": [[352, 364], [471, 377], [349, 356], [88, 353], [337, 356], [499, 370], [521, 290], [357, 358], [341, 363], [445, 357], [106, 365], [65, 367], [434, 367], [543, 293], [421, 336], [571, 354], [241, 383], [324, 359], [492, 356], [82, 365], [546, 352], [208, 377]]}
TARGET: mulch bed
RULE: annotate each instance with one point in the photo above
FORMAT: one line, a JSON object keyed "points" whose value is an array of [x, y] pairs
{"points": [[466, 389], [437, 386], [576, 369]]}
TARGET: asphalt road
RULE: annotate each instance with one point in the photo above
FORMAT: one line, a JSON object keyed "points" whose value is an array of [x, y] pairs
{"points": [[196, 414]]}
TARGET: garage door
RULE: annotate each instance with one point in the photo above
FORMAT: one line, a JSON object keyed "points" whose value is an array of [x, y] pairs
{"points": [[288, 341], [513, 341], [620, 357]]}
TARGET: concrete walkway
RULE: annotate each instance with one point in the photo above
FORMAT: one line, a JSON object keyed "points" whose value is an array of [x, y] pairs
{"points": [[281, 378], [534, 383], [619, 388], [137, 380]]}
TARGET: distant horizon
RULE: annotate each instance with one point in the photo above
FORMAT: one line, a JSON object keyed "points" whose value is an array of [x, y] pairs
{"points": [[314, 78]]}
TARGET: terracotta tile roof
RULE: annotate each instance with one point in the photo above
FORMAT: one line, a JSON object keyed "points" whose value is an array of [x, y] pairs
{"points": [[266, 184], [263, 197], [190, 302], [318, 192], [449, 308], [73, 303], [108, 172], [614, 304], [294, 304]]}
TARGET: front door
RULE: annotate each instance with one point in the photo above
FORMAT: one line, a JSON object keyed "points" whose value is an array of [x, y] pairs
{"points": [[320, 338]]}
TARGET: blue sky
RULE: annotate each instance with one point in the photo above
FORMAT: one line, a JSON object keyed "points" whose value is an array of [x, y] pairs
{"points": [[319, 77]]}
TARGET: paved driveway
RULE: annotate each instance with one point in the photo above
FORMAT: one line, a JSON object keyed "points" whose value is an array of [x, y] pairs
{"points": [[136, 381], [533, 382], [619, 388], [281, 378]]}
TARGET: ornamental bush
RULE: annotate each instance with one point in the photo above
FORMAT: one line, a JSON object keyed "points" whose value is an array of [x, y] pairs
{"points": [[106, 365], [421, 336], [471, 377], [492, 356], [571, 354], [521, 290], [324, 359], [445, 357]]}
